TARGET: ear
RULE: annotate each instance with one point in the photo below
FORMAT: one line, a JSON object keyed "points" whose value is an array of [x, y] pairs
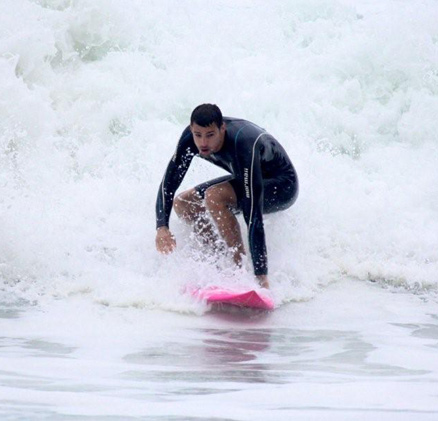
{"points": [[223, 128]]}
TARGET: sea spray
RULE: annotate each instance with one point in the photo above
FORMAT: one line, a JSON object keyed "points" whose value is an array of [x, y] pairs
{"points": [[96, 94]]}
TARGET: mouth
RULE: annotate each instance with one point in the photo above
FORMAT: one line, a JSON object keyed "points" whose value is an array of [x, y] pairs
{"points": [[204, 151]]}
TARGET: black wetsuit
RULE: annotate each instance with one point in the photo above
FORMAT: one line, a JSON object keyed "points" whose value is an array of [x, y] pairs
{"points": [[262, 175]]}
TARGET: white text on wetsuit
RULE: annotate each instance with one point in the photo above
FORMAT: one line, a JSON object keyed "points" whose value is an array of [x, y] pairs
{"points": [[245, 181]]}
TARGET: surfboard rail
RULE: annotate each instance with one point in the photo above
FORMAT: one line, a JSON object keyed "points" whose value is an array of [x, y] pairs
{"points": [[256, 299]]}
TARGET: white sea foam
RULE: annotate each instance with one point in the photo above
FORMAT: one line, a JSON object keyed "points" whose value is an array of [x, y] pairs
{"points": [[96, 93]]}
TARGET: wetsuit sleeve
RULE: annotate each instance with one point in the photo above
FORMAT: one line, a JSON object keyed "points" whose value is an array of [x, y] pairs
{"points": [[248, 156], [175, 172]]}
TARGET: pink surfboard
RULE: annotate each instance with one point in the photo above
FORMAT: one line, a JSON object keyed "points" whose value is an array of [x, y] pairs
{"points": [[250, 299]]}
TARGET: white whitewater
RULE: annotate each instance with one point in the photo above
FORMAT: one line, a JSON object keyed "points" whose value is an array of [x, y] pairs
{"points": [[94, 95]]}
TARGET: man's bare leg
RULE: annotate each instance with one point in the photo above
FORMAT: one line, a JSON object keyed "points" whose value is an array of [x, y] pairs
{"points": [[219, 200], [189, 207]]}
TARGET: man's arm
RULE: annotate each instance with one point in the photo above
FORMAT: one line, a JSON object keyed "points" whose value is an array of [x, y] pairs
{"points": [[165, 241], [252, 205], [173, 176]]}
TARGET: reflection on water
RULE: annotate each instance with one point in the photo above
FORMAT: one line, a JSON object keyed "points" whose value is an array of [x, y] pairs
{"points": [[235, 353], [37, 347], [255, 355], [219, 355], [423, 330]]}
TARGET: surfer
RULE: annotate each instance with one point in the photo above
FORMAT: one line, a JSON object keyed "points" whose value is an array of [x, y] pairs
{"points": [[262, 180]]}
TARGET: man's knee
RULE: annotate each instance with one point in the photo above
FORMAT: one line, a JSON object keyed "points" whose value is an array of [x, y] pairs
{"points": [[186, 203], [218, 198], [182, 202], [178, 205]]}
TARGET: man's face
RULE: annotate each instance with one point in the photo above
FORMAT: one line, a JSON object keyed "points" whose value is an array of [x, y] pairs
{"points": [[208, 139]]}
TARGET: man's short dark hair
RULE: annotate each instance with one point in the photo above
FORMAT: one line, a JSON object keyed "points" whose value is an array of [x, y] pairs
{"points": [[205, 115]]}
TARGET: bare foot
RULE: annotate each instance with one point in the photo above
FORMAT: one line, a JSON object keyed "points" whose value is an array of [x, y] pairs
{"points": [[263, 281]]}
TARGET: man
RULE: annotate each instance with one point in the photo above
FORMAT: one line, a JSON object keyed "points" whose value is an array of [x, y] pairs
{"points": [[262, 180]]}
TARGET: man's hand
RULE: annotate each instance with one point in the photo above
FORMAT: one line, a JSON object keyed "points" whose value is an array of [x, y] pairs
{"points": [[263, 281], [165, 241]]}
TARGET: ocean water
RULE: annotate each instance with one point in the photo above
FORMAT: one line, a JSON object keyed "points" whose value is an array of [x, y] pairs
{"points": [[94, 324]]}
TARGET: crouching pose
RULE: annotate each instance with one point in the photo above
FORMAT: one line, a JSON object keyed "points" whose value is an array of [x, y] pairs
{"points": [[262, 180]]}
